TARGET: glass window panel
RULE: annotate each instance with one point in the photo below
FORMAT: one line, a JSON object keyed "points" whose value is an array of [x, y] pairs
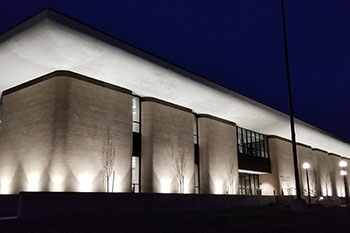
{"points": [[249, 142], [239, 140], [135, 171], [253, 143], [196, 178], [136, 127], [266, 147], [194, 124], [258, 151], [244, 137], [249, 136], [239, 137], [135, 109], [262, 145]]}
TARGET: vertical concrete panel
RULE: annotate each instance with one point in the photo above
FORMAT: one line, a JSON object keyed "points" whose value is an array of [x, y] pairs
{"points": [[306, 155], [167, 157], [326, 172], [281, 150], [52, 135], [347, 169], [339, 181], [218, 156], [270, 182], [94, 114], [27, 131]]}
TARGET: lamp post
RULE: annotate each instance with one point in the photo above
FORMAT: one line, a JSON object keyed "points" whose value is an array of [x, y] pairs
{"points": [[306, 166], [290, 101], [343, 173]]}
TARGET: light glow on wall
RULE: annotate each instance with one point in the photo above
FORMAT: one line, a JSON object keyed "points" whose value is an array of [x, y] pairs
{"points": [[165, 185], [327, 192], [5, 186], [57, 183], [341, 192], [114, 185], [267, 188], [33, 181], [218, 185], [188, 187], [231, 187], [85, 182]]}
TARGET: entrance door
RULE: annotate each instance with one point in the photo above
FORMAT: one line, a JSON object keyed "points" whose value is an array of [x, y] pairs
{"points": [[248, 184]]}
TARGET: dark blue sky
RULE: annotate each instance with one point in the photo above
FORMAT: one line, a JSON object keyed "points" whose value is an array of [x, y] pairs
{"points": [[236, 43]]}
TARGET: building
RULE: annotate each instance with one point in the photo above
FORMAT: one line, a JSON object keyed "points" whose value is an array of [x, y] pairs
{"points": [[102, 115]]}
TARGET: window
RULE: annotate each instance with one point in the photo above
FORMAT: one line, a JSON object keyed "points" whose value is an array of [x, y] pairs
{"points": [[136, 114], [249, 184], [196, 154], [252, 143], [135, 174], [136, 150]]}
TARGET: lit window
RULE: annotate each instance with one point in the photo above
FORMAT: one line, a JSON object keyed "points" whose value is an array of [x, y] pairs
{"points": [[252, 143], [136, 114]]}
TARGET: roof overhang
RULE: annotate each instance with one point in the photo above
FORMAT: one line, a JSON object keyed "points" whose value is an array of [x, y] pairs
{"points": [[50, 41]]}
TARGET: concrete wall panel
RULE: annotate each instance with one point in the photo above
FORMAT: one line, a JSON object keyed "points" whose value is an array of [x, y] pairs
{"points": [[325, 173], [306, 155], [269, 183], [167, 160], [218, 156], [282, 178], [52, 136]]}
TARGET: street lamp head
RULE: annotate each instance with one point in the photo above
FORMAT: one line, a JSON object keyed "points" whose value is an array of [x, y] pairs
{"points": [[343, 163], [306, 165], [343, 173]]}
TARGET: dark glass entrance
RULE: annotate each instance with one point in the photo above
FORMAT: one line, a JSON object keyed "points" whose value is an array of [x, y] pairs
{"points": [[248, 184]]}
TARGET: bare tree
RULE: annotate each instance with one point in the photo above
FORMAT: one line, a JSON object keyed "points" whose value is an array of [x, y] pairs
{"points": [[180, 165], [177, 152], [108, 159], [230, 175], [328, 183]]}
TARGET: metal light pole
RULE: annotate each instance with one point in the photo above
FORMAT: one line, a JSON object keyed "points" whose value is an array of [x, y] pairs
{"points": [[291, 114], [343, 173], [306, 166]]}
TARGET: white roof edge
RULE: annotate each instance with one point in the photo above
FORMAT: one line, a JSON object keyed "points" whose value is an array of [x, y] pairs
{"points": [[32, 29]]}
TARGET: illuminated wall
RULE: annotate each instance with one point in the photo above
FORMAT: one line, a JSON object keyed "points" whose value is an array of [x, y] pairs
{"points": [[217, 156], [53, 133], [339, 180], [270, 184], [306, 155], [167, 159], [282, 178], [326, 172]]}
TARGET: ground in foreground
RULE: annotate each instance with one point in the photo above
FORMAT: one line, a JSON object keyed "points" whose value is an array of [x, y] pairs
{"points": [[248, 219]]}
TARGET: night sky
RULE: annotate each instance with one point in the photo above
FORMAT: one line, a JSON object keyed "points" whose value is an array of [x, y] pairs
{"points": [[236, 43]]}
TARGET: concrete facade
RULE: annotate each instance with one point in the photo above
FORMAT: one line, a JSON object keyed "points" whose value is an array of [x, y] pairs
{"points": [[57, 129], [217, 156], [306, 155], [167, 160], [53, 135], [326, 172], [281, 181]]}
